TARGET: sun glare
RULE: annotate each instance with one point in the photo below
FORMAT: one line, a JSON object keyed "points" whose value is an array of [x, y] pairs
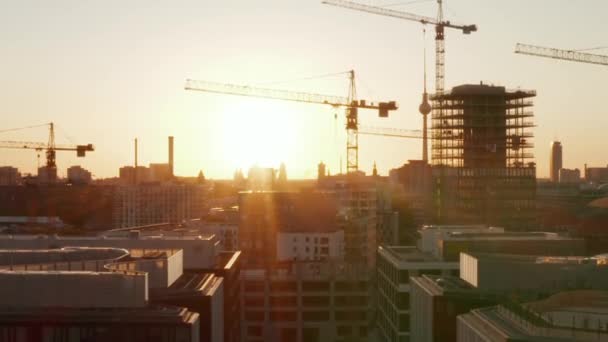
{"points": [[257, 132]]}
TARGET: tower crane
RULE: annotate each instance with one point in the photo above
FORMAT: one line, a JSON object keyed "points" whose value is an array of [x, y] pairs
{"points": [[568, 55], [440, 24], [49, 147], [350, 103]]}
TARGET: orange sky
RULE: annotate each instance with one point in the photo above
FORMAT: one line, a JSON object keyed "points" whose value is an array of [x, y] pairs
{"points": [[109, 71]]}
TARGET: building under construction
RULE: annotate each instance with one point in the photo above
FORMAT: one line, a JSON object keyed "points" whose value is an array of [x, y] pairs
{"points": [[484, 169]]}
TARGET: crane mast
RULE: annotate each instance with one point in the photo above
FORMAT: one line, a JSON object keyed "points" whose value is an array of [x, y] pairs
{"points": [[567, 55], [350, 103]]}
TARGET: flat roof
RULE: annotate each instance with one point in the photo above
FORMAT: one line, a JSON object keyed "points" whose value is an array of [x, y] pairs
{"points": [[203, 236], [600, 260], [506, 236], [152, 314], [407, 253]]}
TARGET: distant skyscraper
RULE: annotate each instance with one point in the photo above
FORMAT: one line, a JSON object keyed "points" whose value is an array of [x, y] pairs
{"points": [[556, 160]]}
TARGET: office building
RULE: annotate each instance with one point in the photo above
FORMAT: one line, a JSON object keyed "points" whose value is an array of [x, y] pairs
{"points": [[451, 245], [395, 267], [436, 301], [578, 316], [78, 175], [307, 302], [199, 252], [9, 176], [415, 182], [569, 176], [130, 175], [521, 273], [488, 279], [596, 175], [556, 161], [311, 246], [362, 210], [145, 204], [265, 214], [89, 207], [47, 294], [483, 166], [46, 175]]}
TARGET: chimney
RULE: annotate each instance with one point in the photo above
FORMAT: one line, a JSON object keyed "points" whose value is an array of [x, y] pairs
{"points": [[171, 156], [135, 171]]}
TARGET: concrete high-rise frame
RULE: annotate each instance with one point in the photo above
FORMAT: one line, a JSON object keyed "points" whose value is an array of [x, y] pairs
{"points": [[482, 157]]}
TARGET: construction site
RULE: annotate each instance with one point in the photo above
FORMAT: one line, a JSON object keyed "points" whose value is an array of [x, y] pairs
{"points": [[483, 165]]}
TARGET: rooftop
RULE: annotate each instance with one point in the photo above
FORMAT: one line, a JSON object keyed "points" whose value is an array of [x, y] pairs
{"points": [[159, 314], [506, 236], [599, 260], [406, 253]]}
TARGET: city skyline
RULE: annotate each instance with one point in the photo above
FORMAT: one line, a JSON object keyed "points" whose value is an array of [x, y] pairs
{"points": [[106, 74]]}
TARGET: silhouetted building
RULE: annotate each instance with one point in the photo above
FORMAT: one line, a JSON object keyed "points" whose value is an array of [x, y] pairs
{"points": [[9, 176], [261, 179], [569, 176], [483, 165], [596, 174], [160, 172], [556, 161], [140, 205], [46, 175], [79, 175], [81, 206], [131, 175], [321, 171], [415, 180]]}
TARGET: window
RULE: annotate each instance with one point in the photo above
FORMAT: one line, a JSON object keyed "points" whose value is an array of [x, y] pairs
{"points": [[350, 300], [344, 330], [254, 286], [404, 322], [350, 315], [315, 300], [283, 301], [254, 316], [283, 286], [315, 316], [324, 240], [254, 330], [284, 316], [403, 301], [404, 276], [324, 250], [254, 301], [315, 286]]}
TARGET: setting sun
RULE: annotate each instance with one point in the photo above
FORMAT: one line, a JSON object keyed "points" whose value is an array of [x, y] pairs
{"points": [[257, 132]]}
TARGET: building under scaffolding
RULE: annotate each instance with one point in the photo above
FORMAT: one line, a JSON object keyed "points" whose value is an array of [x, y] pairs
{"points": [[483, 164]]}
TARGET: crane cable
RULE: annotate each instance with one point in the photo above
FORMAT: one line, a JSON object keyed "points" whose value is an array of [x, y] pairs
{"points": [[305, 78], [21, 128]]}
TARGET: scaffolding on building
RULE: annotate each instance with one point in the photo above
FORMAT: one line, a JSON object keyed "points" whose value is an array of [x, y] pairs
{"points": [[482, 155]]}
